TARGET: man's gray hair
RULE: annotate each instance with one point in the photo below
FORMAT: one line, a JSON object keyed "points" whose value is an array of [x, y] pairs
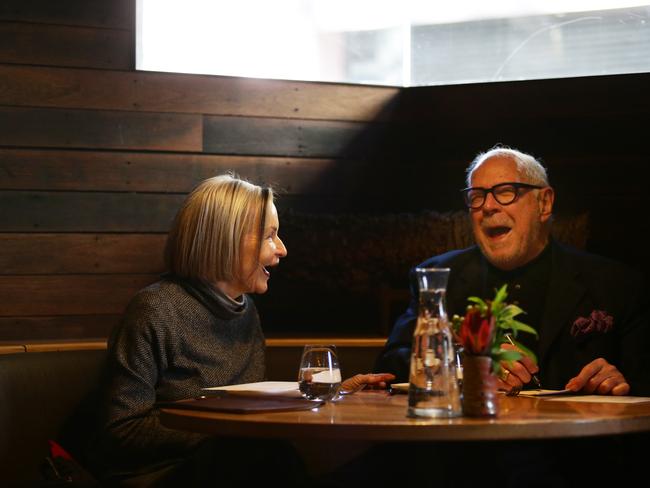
{"points": [[530, 168]]}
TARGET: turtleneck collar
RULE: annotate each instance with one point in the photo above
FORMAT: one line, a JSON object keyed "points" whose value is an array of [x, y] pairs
{"points": [[218, 303]]}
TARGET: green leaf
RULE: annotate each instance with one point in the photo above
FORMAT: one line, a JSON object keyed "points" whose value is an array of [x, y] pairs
{"points": [[511, 311], [509, 355], [526, 351], [476, 300], [482, 305], [501, 295], [517, 326]]}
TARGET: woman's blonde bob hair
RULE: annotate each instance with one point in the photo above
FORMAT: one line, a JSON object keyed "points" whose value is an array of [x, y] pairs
{"points": [[205, 240]]}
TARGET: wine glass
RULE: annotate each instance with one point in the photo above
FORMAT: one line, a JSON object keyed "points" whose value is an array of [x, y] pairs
{"points": [[319, 376]]}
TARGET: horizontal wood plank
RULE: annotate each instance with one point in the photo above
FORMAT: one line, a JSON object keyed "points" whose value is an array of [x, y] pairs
{"points": [[81, 253], [304, 138], [57, 328], [295, 343], [134, 212], [59, 169], [68, 294], [199, 94], [87, 212], [99, 129], [11, 348], [68, 88], [57, 45], [80, 212], [221, 95], [70, 345], [183, 132], [340, 342], [110, 14]]}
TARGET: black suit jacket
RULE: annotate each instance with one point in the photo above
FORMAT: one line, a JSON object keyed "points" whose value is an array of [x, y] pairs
{"points": [[579, 284]]}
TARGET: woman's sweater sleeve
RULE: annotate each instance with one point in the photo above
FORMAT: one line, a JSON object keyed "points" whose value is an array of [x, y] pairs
{"points": [[137, 354]]}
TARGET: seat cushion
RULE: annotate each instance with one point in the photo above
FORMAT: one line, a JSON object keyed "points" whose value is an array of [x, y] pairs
{"points": [[40, 392]]}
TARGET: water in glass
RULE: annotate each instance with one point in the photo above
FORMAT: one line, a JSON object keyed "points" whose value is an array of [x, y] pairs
{"points": [[319, 376]]}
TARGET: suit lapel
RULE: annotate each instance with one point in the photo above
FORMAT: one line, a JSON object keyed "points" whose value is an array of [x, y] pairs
{"points": [[563, 296]]}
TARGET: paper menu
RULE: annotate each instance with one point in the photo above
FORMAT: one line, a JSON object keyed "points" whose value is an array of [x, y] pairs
{"points": [[278, 388], [543, 392], [602, 399], [571, 396]]}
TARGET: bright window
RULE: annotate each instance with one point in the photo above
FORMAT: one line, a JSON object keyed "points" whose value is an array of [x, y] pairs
{"points": [[384, 42]]}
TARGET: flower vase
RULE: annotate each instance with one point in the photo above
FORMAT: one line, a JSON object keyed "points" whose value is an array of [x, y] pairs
{"points": [[479, 387]]}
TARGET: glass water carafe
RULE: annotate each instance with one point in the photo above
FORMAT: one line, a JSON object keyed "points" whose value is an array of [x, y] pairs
{"points": [[433, 383]]}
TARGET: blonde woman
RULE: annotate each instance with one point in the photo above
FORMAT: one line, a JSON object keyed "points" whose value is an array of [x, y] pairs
{"points": [[196, 327]]}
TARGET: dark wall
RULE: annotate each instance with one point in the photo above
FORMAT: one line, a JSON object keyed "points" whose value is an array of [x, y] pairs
{"points": [[95, 159], [590, 132]]}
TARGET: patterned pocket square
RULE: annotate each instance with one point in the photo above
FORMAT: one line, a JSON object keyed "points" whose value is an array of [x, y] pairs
{"points": [[598, 322]]}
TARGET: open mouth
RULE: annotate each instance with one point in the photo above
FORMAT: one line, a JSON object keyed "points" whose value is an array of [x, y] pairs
{"points": [[497, 231], [266, 271]]}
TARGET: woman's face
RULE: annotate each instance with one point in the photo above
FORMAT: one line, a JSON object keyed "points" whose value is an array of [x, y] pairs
{"points": [[255, 272]]}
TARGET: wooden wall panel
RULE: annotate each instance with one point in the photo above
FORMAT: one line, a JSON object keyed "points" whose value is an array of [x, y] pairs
{"points": [[110, 14], [265, 98], [131, 212], [248, 135], [183, 132], [216, 95], [61, 45], [67, 88], [94, 163], [68, 294], [81, 253], [56, 328], [34, 127], [53, 169], [87, 212]]}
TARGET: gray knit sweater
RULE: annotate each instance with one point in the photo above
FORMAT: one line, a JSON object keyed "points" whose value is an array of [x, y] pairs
{"points": [[167, 347]]}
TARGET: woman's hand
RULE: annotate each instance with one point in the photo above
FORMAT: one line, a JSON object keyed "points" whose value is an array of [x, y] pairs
{"points": [[360, 381], [601, 378]]}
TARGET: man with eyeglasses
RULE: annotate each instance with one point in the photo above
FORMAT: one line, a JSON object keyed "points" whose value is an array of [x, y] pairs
{"points": [[588, 310]]}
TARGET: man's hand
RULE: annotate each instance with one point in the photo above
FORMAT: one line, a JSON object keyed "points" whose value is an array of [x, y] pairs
{"points": [[599, 377], [516, 374]]}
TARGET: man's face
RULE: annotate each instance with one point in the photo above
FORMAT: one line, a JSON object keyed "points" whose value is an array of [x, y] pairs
{"points": [[510, 235]]}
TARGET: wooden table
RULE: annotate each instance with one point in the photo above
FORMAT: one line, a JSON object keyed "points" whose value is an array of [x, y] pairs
{"points": [[378, 416]]}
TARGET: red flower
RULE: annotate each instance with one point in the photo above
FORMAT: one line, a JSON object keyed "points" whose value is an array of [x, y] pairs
{"points": [[476, 332]]}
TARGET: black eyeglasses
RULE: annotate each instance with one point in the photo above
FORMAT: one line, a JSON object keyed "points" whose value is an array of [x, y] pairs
{"points": [[504, 194]]}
